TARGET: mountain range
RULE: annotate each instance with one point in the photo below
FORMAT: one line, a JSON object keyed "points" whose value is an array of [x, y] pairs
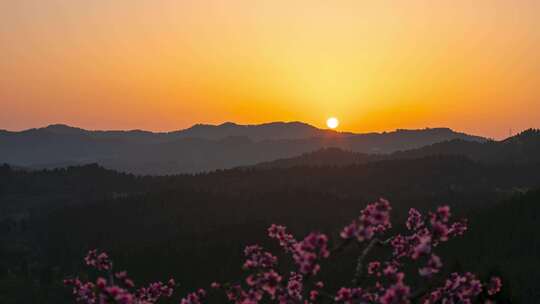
{"points": [[200, 147]]}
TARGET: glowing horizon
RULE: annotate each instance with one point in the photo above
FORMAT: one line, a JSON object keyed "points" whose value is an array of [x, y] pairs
{"points": [[166, 65]]}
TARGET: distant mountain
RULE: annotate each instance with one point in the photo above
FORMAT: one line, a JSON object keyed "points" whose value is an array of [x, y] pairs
{"points": [[519, 149], [199, 148], [267, 131]]}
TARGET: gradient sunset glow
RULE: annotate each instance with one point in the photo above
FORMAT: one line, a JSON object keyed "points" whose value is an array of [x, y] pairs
{"points": [[377, 65]]}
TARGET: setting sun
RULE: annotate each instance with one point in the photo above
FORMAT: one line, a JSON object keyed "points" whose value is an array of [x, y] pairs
{"points": [[332, 122]]}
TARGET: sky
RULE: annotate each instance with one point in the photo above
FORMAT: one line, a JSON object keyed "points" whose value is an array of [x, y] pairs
{"points": [[473, 66]]}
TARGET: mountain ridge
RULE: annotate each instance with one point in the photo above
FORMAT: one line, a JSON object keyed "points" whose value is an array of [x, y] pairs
{"points": [[60, 128], [200, 147], [520, 148]]}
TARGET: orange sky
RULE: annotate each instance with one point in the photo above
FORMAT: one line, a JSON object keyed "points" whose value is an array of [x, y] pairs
{"points": [[376, 65]]}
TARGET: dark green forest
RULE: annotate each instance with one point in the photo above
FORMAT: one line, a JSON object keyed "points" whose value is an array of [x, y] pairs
{"points": [[194, 227]]}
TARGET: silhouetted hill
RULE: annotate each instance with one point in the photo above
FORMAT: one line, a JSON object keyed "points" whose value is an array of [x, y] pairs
{"points": [[267, 131], [522, 148], [401, 139], [199, 148]]}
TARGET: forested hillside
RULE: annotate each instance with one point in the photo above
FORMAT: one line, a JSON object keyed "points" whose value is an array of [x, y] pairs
{"points": [[193, 227]]}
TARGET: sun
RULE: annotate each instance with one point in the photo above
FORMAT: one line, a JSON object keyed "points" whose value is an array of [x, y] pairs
{"points": [[332, 122]]}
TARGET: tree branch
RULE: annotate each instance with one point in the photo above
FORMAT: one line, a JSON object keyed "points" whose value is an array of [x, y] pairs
{"points": [[360, 261]]}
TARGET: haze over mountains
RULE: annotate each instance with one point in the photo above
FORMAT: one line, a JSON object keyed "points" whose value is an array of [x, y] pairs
{"points": [[201, 147], [523, 148]]}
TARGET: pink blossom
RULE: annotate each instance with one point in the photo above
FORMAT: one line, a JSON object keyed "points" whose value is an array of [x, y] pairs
{"points": [[443, 213], [375, 218], [101, 283], [295, 286], [350, 231], [458, 228], [400, 246], [351, 295], [494, 286], [279, 233], [390, 270], [313, 295], [98, 260], [457, 289], [258, 258], [265, 281], [396, 294], [373, 267], [238, 295], [432, 267], [414, 221], [155, 290], [194, 297], [309, 251], [422, 245]]}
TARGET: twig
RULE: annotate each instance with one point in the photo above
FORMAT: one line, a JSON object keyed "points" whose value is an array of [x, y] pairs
{"points": [[340, 247], [360, 261]]}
